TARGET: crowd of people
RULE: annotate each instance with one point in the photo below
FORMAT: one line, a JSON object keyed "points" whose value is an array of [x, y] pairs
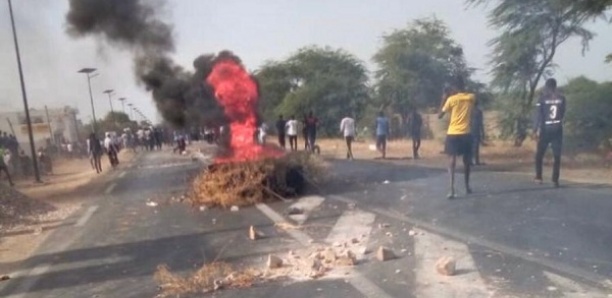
{"points": [[464, 137]]}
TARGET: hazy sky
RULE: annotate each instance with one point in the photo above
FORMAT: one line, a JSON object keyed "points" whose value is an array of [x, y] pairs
{"points": [[255, 30]]}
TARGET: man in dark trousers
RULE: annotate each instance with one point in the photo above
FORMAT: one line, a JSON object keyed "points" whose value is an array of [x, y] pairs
{"points": [[478, 133], [458, 137], [548, 128], [415, 126], [311, 125], [280, 130]]}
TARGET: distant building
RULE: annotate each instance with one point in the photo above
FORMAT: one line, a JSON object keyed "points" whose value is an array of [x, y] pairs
{"points": [[59, 125]]}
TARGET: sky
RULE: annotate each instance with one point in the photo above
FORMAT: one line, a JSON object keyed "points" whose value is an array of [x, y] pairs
{"points": [[257, 31]]}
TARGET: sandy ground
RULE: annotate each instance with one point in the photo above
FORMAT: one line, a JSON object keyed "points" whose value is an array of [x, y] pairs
{"points": [[497, 156], [60, 190]]}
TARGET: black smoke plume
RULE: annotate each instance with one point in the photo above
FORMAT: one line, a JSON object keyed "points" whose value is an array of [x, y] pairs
{"points": [[182, 97]]}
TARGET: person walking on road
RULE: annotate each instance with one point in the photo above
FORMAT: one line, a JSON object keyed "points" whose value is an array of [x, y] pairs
{"points": [[310, 125], [280, 130], [4, 167], [95, 152], [415, 126], [550, 111], [478, 133], [458, 138], [347, 128], [382, 131], [111, 150], [291, 127]]}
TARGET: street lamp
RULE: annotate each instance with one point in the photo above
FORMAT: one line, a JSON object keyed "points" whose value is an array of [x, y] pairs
{"points": [[24, 95], [88, 72], [131, 111], [122, 100], [110, 101]]}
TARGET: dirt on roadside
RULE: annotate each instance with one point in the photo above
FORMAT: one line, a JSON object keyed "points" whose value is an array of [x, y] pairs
{"points": [[30, 210], [498, 156]]}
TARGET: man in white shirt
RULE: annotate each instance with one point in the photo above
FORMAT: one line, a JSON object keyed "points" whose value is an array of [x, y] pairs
{"points": [[347, 128], [291, 128], [263, 132], [111, 150]]}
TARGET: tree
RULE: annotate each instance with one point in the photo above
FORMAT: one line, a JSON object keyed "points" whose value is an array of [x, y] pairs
{"points": [[415, 64], [588, 115], [331, 83], [524, 53]]}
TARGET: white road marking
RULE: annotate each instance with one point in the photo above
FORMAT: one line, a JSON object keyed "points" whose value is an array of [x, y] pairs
{"points": [[600, 280], [428, 248], [298, 235], [33, 275], [358, 281], [366, 287], [353, 224], [122, 174], [86, 216], [572, 289], [110, 188], [306, 204], [168, 165]]}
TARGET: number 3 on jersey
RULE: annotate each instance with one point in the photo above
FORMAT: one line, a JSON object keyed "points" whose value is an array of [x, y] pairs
{"points": [[553, 112]]}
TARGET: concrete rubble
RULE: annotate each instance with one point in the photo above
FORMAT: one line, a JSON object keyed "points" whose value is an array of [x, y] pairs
{"points": [[446, 266], [384, 254], [274, 262]]}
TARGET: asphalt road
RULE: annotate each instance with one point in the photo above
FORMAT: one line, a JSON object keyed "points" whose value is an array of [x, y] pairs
{"points": [[510, 238]]}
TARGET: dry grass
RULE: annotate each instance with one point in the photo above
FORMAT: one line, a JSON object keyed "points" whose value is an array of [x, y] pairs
{"points": [[247, 183], [208, 278], [498, 155]]}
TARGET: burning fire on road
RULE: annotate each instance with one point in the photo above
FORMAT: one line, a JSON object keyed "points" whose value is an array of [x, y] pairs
{"points": [[246, 172]]}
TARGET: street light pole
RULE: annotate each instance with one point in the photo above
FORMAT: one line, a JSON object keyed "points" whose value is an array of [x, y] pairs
{"points": [[110, 101], [88, 71], [131, 106], [122, 100], [24, 95]]}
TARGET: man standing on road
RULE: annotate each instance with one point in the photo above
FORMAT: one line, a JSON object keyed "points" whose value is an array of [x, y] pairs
{"points": [[311, 130], [347, 128], [291, 127], [111, 150], [548, 127], [478, 133], [382, 131], [95, 152], [458, 138], [280, 130], [415, 126]]}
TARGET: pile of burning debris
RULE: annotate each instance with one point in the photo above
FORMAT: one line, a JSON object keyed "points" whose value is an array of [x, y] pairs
{"points": [[247, 173], [245, 183]]}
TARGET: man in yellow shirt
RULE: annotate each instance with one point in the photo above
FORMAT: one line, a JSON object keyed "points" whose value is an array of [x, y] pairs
{"points": [[458, 137]]}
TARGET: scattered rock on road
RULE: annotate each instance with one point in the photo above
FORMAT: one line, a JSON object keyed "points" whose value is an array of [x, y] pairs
{"points": [[384, 254], [234, 208], [412, 233], [274, 262], [348, 259], [294, 211], [4, 277], [253, 235], [151, 204], [446, 266]]}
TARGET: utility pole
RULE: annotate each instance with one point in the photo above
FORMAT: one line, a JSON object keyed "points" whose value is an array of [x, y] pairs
{"points": [[88, 71], [24, 95]]}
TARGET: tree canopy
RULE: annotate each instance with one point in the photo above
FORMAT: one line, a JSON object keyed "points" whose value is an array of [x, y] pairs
{"points": [[588, 114], [414, 65], [332, 83], [524, 52]]}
